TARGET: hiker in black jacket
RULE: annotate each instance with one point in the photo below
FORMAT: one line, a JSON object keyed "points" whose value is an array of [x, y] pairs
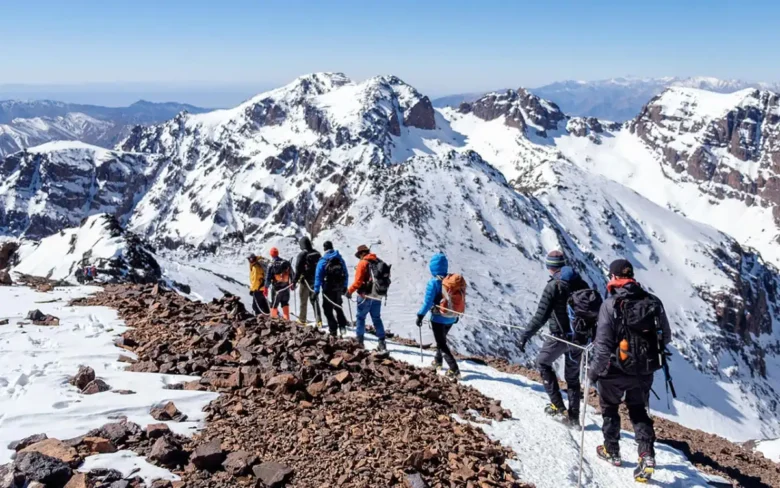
{"points": [[305, 269], [629, 316], [552, 310]]}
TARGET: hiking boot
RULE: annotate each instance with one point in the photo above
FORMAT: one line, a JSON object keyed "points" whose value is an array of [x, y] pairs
{"points": [[319, 324], [436, 364], [558, 413], [382, 346], [574, 419], [613, 459], [343, 331], [452, 374], [645, 469], [360, 341]]}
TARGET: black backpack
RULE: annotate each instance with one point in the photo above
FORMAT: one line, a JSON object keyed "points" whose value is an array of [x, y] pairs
{"points": [[280, 272], [334, 276], [380, 277], [640, 336], [310, 265], [583, 308]]}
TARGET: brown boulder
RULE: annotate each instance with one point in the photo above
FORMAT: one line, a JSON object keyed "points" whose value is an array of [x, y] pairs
{"points": [[85, 376], [96, 386], [27, 441], [57, 449], [153, 431], [98, 445], [167, 412], [166, 452], [208, 456], [79, 480], [239, 463], [5, 278], [273, 474]]}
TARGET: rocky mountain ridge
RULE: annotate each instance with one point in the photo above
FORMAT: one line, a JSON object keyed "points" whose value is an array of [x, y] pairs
{"points": [[493, 185]]}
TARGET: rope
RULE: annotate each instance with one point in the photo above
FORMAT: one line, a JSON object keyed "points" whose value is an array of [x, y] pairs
{"points": [[461, 314]]}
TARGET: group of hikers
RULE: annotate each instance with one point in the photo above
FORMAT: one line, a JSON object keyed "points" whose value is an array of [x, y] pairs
{"points": [[626, 333]]}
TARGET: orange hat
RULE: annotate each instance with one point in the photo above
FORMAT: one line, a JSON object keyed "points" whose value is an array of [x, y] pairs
{"points": [[274, 252]]}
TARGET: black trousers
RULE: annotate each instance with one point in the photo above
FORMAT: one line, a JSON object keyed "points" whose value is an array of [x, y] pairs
{"points": [[611, 389], [440, 332], [337, 320], [259, 303], [551, 351]]}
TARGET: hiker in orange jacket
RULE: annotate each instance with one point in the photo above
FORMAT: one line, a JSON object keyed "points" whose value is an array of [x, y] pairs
{"points": [[366, 304]]}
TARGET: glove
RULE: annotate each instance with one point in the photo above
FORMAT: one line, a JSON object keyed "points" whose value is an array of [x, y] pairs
{"points": [[349, 296], [420, 320], [265, 292], [523, 342]]}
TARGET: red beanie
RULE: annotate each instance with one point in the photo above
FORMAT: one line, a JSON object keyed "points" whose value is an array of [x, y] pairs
{"points": [[274, 252]]}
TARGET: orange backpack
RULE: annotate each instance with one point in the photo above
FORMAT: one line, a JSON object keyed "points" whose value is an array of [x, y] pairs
{"points": [[453, 296]]}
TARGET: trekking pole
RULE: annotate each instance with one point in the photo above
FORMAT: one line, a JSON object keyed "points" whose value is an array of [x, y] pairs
{"points": [[584, 415], [422, 361]]}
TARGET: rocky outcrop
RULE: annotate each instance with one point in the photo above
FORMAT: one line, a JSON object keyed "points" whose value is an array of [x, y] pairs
{"points": [[421, 115], [729, 140], [77, 180], [307, 392], [520, 109]]}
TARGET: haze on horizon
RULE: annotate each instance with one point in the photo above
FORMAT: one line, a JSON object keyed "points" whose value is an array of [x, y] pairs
{"points": [[114, 53]]}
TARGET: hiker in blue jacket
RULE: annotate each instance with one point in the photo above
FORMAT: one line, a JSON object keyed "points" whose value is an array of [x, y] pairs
{"points": [[440, 324], [332, 277]]}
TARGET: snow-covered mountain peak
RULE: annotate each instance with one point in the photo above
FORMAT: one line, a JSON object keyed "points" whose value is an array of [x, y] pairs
{"points": [[698, 104]]}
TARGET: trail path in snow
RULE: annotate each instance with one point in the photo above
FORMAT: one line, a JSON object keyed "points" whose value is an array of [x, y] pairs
{"points": [[547, 451], [36, 363]]}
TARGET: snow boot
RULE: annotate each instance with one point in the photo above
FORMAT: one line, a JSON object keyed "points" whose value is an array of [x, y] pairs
{"points": [[573, 420], [453, 374], [556, 412], [382, 346], [360, 342], [645, 469], [319, 324], [612, 459]]}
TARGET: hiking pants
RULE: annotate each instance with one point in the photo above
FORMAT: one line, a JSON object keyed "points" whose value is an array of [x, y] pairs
{"points": [[339, 320], [551, 351], [440, 332], [304, 295], [611, 389], [366, 307], [259, 303]]}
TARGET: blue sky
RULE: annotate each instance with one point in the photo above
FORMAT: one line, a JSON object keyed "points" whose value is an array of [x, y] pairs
{"points": [[440, 47]]}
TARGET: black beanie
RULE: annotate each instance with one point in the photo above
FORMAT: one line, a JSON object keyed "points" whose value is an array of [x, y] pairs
{"points": [[622, 268], [328, 246]]}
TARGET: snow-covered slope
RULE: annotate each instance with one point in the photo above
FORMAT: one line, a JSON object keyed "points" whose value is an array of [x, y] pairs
{"points": [[622, 98], [99, 241], [55, 185], [495, 183], [24, 133]]}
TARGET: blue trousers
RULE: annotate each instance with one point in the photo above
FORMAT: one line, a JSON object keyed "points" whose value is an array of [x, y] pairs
{"points": [[366, 307]]}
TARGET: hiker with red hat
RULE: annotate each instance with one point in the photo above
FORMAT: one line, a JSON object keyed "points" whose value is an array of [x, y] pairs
{"points": [[257, 289], [279, 280], [630, 346], [372, 279]]}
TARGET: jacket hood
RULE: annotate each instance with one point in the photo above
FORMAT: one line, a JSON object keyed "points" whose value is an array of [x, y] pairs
{"points": [[631, 289], [331, 254], [566, 274], [305, 244], [439, 265], [370, 257]]}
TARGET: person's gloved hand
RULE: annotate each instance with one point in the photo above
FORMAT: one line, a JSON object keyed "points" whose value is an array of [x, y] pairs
{"points": [[420, 320], [349, 296], [523, 342]]}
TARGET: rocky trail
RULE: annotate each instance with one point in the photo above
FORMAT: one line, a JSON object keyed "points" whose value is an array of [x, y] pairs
{"points": [[297, 409], [708, 452]]}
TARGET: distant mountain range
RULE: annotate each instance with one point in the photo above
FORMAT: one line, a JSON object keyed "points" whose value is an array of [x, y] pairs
{"points": [[617, 99], [30, 123]]}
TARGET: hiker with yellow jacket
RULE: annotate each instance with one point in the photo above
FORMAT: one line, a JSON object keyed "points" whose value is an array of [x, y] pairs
{"points": [[257, 288]]}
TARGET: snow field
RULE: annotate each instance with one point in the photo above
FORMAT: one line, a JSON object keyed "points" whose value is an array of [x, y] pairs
{"points": [[36, 363]]}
